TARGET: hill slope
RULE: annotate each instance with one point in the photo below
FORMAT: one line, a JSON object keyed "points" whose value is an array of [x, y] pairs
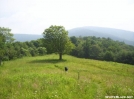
{"points": [[26, 37], [44, 77], [115, 34], [126, 35]]}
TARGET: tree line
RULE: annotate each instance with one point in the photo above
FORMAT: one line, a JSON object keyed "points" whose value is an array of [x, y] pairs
{"points": [[102, 49], [10, 49], [55, 40], [20, 49]]}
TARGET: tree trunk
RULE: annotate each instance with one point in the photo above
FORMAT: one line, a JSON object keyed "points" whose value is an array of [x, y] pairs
{"points": [[60, 56]]}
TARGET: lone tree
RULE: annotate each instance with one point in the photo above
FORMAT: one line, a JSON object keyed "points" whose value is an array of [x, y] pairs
{"points": [[56, 40]]}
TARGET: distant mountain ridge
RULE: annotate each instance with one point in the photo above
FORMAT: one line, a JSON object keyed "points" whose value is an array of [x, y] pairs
{"points": [[26, 37], [128, 35], [115, 34]]}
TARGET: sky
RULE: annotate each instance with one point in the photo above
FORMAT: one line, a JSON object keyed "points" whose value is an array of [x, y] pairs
{"points": [[34, 16]]}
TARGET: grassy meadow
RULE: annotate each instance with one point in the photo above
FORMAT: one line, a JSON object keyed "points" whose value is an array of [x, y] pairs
{"points": [[43, 77]]}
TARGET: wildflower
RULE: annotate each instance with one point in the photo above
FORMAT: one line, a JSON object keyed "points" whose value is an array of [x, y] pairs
{"points": [[35, 91]]}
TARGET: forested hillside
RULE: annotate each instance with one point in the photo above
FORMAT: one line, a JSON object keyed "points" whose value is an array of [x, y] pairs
{"points": [[114, 34], [85, 47], [21, 49], [10, 49], [89, 47], [102, 49]]}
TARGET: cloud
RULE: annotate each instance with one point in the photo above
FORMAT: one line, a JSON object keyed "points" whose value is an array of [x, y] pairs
{"points": [[33, 16]]}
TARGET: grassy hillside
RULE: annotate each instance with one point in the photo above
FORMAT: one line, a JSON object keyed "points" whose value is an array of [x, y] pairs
{"points": [[43, 77]]}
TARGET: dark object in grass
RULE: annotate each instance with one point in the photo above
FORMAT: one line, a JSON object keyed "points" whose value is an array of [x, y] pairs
{"points": [[66, 69]]}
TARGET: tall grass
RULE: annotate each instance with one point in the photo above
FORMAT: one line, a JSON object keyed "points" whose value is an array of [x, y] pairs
{"points": [[43, 77]]}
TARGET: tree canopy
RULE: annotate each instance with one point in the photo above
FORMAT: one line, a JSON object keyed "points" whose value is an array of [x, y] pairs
{"points": [[5, 37], [102, 49], [56, 40]]}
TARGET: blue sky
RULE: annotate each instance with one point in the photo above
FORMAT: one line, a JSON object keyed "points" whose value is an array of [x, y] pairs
{"points": [[33, 16]]}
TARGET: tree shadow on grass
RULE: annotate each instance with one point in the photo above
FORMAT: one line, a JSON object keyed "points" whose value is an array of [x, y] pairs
{"points": [[48, 61]]}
